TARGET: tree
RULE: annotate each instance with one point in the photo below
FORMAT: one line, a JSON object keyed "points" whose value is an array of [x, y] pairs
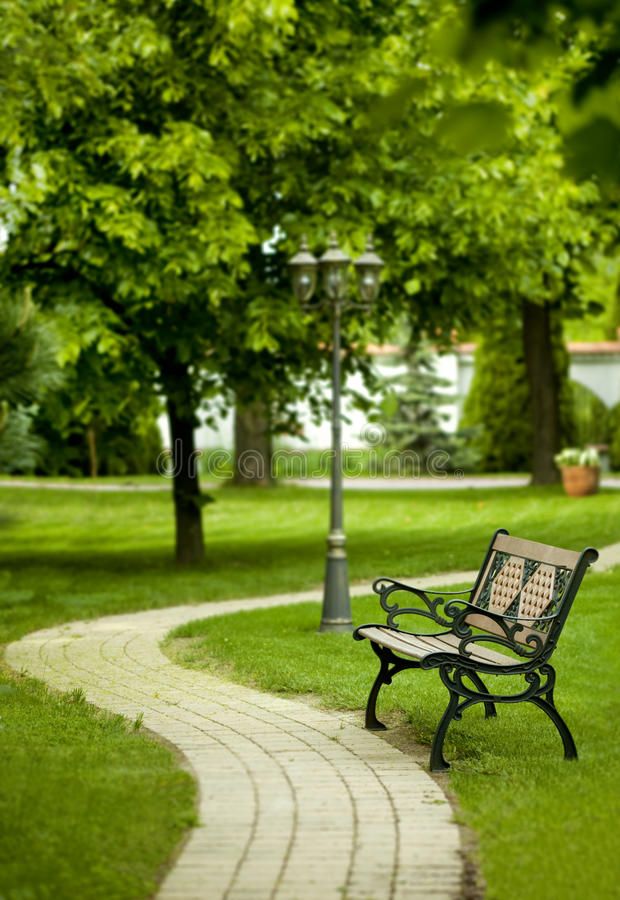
{"points": [[503, 229], [411, 410], [148, 150], [119, 147], [253, 445]]}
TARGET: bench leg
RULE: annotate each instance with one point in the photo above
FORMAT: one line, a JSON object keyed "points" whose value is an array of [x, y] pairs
{"points": [[387, 659], [489, 707], [372, 722], [570, 750], [438, 763]]}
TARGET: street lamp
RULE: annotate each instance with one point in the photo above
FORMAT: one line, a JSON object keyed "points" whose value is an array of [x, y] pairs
{"points": [[334, 266]]}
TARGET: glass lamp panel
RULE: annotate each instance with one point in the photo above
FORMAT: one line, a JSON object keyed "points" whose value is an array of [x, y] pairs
{"points": [[335, 281], [368, 268], [303, 268], [304, 283], [368, 283]]}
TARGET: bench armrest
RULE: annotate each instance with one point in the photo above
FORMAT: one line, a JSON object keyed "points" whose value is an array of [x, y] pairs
{"points": [[459, 610], [387, 586]]}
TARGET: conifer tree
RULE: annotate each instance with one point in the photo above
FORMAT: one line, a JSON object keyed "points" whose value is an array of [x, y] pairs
{"points": [[412, 407]]}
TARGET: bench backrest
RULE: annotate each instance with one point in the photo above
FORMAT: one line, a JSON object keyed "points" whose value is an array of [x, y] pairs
{"points": [[523, 579]]}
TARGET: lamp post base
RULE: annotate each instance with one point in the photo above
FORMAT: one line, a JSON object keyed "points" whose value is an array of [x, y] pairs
{"points": [[336, 616], [335, 627]]}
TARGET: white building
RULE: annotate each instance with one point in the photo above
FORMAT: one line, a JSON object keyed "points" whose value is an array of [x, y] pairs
{"points": [[595, 365]]}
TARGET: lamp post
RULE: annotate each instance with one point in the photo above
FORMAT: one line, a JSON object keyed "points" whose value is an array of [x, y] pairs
{"points": [[334, 266]]}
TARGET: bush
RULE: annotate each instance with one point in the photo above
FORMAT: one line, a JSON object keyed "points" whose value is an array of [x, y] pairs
{"points": [[614, 437], [591, 416], [497, 408], [128, 446]]}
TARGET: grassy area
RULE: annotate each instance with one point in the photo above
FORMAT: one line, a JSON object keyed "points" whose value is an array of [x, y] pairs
{"points": [[89, 807], [73, 555], [546, 827]]}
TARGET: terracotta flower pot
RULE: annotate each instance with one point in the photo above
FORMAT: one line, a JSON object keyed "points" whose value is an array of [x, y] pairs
{"points": [[579, 481]]}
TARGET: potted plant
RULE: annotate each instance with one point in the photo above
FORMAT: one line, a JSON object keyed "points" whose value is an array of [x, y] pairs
{"points": [[580, 470]]}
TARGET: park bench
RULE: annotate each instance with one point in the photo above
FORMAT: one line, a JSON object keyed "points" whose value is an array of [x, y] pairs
{"points": [[520, 600]]}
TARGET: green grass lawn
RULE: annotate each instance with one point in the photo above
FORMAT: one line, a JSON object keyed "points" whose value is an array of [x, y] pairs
{"points": [[69, 555], [546, 828], [89, 807]]}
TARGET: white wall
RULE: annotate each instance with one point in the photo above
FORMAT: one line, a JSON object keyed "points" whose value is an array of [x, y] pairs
{"points": [[598, 371]]}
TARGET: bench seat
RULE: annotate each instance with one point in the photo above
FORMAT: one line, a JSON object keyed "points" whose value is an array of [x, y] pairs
{"points": [[419, 646]]}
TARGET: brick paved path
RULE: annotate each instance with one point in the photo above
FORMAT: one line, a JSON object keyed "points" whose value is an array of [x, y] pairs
{"points": [[296, 803]]}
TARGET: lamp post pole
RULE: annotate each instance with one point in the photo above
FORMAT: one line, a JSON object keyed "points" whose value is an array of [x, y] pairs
{"points": [[336, 614]]}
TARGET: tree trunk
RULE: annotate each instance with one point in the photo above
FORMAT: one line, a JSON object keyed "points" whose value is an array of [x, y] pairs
{"points": [[544, 390], [253, 445], [186, 486], [91, 442]]}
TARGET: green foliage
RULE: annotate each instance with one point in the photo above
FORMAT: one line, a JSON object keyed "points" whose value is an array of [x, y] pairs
{"points": [[27, 364], [578, 456], [102, 419], [526, 34], [129, 445], [158, 207], [598, 283]]}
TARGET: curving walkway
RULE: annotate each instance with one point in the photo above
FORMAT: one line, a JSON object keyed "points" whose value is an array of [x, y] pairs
{"points": [[296, 803]]}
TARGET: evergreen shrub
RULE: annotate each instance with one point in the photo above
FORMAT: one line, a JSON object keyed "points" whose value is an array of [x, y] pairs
{"points": [[498, 409], [591, 417], [614, 437]]}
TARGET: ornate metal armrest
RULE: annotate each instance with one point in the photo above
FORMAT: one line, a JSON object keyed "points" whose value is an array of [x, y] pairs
{"points": [[386, 586], [459, 610]]}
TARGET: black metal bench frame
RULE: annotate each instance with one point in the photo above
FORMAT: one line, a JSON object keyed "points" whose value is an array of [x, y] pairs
{"points": [[516, 577]]}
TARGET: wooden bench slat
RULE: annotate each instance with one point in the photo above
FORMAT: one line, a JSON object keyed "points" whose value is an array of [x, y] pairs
{"points": [[419, 646], [545, 553], [450, 643]]}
